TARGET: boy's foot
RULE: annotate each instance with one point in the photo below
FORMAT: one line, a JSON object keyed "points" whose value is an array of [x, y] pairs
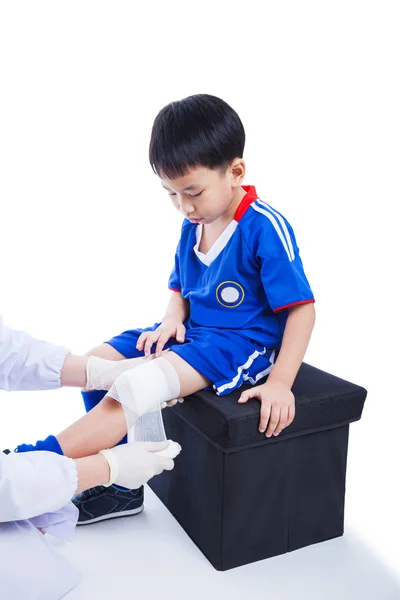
{"points": [[6, 451], [101, 503]]}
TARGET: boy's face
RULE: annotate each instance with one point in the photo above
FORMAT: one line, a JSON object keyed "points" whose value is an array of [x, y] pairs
{"points": [[204, 195]]}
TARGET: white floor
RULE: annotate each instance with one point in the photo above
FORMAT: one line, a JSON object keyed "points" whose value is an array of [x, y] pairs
{"points": [[318, 101], [151, 555]]}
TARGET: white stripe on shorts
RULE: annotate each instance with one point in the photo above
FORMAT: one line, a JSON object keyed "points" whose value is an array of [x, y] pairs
{"points": [[261, 374], [246, 365]]}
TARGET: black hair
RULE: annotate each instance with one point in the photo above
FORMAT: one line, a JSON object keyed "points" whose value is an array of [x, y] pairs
{"points": [[198, 131]]}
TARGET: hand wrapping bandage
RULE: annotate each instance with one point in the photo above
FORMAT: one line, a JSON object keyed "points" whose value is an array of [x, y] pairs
{"points": [[141, 391], [132, 465], [101, 373]]}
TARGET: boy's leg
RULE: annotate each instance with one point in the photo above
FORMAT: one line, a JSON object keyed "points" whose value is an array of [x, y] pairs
{"points": [[100, 503], [118, 348], [91, 400], [105, 424], [106, 351], [102, 427]]}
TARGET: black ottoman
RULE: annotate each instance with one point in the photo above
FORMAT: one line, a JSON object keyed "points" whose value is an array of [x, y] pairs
{"points": [[242, 497]]}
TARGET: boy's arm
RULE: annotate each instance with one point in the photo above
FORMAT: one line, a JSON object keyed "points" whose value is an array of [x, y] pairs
{"points": [[277, 399], [297, 334], [177, 308]]}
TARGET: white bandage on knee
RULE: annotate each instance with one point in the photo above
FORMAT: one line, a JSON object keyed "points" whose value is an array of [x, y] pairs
{"points": [[141, 391]]}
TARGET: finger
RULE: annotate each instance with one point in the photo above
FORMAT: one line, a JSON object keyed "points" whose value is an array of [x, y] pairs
{"points": [[292, 413], [273, 420], [181, 400], [149, 343], [166, 464], [244, 397], [283, 419], [180, 333], [264, 416], [163, 405], [251, 393], [163, 464], [141, 340], [160, 344], [155, 446], [172, 402]]}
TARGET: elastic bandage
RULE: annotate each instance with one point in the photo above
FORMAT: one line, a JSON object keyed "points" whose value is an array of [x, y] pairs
{"points": [[141, 391]]}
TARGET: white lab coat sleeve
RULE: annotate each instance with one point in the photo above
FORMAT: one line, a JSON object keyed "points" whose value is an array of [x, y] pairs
{"points": [[27, 363], [31, 565], [60, 524], [34, 483]]}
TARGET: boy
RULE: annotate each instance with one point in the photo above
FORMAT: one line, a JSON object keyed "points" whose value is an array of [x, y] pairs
{"points": [[241, 305]]}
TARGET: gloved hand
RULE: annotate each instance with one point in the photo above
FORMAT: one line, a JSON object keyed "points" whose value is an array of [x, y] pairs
{"points": [[101, 373], [132, 465]]}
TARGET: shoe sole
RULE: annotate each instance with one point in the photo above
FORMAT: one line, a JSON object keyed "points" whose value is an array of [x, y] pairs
{"points": [[123, 513]]}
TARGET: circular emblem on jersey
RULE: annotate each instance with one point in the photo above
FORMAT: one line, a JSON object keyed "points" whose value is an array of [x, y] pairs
{"points": [[230, 294]]}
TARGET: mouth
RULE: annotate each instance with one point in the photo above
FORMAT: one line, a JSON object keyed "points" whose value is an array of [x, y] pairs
{"points": [[195, 220]]}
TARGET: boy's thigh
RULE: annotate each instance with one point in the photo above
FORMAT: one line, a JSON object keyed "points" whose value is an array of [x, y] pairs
{"points": [[190, 379], [123, 345], [105, 351]]}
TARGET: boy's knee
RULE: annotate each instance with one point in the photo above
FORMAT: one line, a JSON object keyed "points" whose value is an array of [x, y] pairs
{"points": [[105, 351], [141, 390], [110, 404]]}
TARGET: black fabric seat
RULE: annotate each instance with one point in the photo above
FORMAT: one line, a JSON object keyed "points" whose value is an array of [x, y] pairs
{"points": [[243, 497]]}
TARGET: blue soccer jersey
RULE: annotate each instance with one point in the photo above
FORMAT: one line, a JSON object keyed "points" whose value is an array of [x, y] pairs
{"points": [[239, 293], [252, 273]]}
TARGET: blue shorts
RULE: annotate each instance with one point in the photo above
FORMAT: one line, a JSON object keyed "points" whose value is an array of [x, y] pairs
{"points": [[225, 357]]}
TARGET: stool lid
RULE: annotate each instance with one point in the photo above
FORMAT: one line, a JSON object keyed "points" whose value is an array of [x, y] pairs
{"points": [[323, 401]]}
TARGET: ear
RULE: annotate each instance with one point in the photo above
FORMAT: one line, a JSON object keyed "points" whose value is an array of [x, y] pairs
{"points": [[237, 171]]}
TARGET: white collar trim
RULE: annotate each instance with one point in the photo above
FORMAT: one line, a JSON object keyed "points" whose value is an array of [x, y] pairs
{"points": [[218, 245]]}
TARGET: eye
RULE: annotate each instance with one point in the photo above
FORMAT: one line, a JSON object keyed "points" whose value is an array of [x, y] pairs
{"points": [[172, 194], [196, 195]]}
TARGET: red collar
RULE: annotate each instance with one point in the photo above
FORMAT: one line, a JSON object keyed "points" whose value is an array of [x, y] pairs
{"points": [[248, 199]]}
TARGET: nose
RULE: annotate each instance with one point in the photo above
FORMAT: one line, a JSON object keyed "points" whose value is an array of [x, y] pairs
{"points": [[186, 207]]}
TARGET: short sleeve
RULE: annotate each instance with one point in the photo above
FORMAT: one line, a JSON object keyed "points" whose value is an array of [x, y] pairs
{"points": [[282, 273], [174, 282]]}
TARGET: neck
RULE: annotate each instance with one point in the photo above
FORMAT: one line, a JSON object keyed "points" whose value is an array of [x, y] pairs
{"points": [[228, 215]]}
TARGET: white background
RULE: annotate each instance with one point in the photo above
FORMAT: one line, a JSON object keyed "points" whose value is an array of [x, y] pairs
{"points": [[88, 235]]}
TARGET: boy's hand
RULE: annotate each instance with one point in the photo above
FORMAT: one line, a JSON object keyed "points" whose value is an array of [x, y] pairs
{"points": [[169, 328], [277, 406]]}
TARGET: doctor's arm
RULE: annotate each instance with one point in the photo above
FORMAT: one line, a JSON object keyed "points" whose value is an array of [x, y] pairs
{"points": [[35, 483], [27, 363]]}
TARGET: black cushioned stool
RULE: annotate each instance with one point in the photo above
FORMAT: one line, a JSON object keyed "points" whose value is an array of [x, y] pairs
{"points": [[242, 497]]}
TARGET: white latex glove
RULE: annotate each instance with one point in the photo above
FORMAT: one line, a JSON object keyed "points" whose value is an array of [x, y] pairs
{"points": [[132, 465], [101, 373]]}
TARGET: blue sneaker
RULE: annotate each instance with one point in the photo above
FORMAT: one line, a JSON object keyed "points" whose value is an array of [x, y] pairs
{"points": [[100, 503]]}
